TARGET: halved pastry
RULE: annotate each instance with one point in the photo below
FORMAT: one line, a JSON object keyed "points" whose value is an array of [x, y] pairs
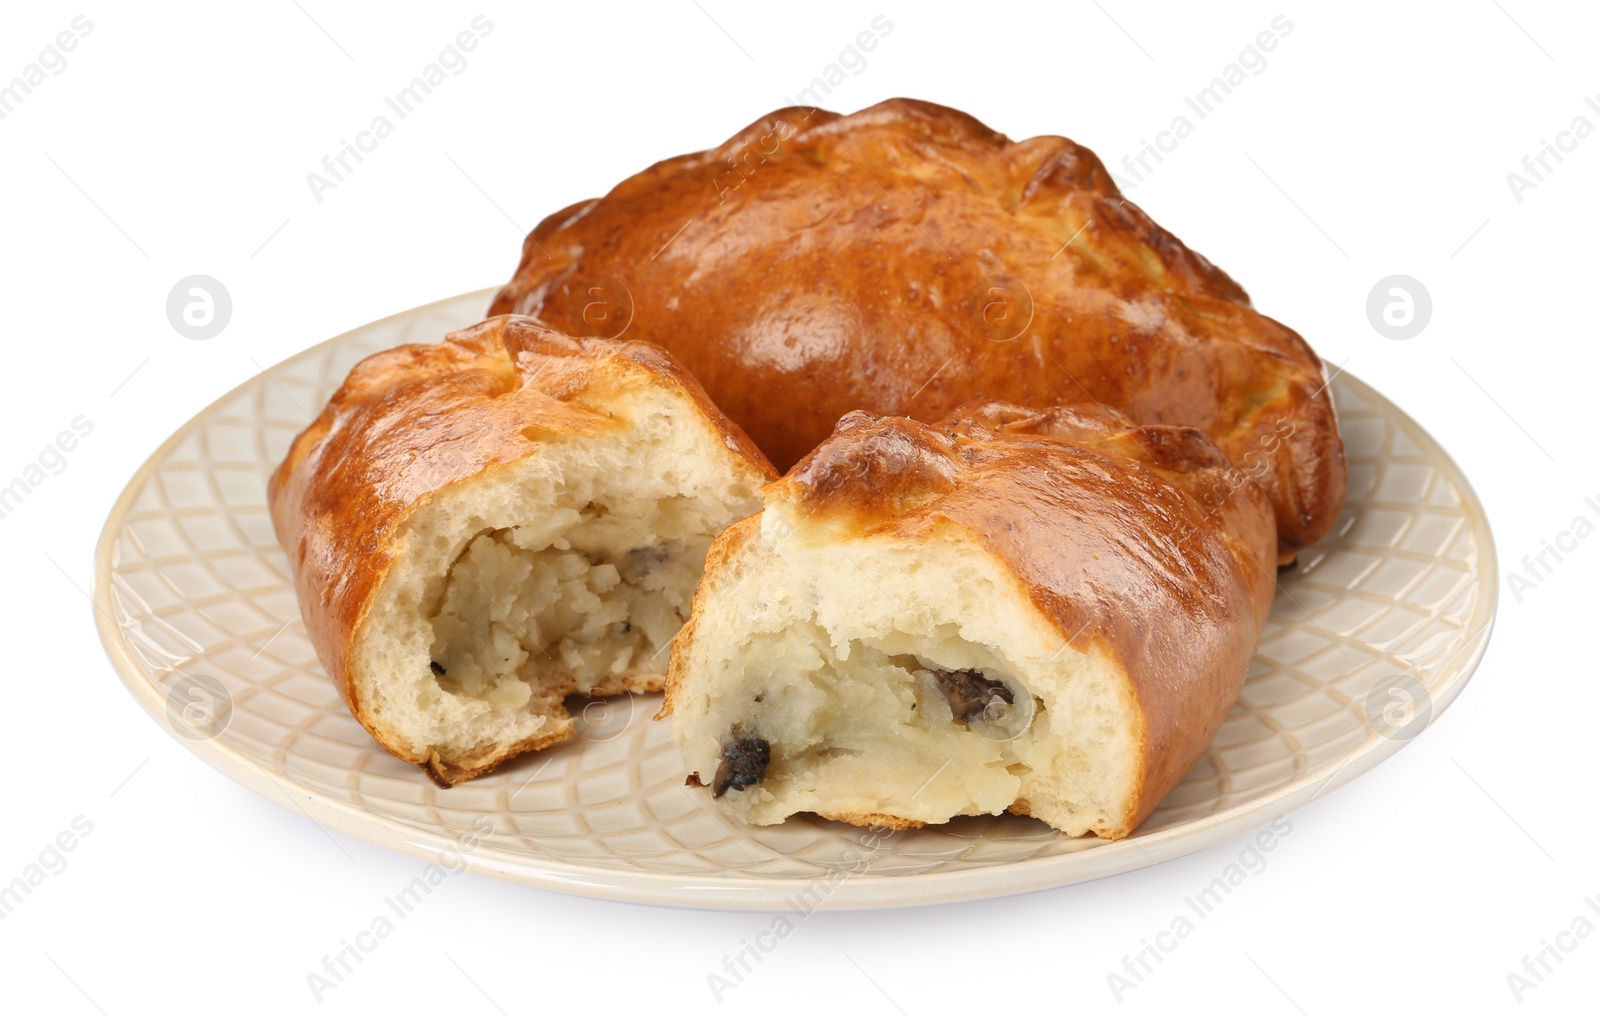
{"points": [[1047, 613], [484, 526]]}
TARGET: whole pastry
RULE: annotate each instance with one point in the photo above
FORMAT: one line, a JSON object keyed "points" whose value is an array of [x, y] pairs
{"points": [[483, 526], [1047, 613], [907, 259]]}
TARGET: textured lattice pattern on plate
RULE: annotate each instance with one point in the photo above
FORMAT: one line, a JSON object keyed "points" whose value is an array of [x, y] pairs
{"points": [[197, 585]]}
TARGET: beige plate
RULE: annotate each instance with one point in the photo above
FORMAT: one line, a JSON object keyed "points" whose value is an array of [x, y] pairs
{"points": [[1373, 633]]}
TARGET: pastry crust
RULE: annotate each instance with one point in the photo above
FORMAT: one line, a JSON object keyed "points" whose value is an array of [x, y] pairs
{"points": [[1125, 573], [905, 260], [427, 451]]}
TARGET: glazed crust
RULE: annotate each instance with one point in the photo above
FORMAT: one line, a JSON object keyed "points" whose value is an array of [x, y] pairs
{"points": [[409, 422], [907, 259], [1143, 539]]}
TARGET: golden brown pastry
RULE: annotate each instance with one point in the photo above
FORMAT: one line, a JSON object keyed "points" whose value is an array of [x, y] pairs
{"points": [[1048, 613], [907, 259], [481, 527]]}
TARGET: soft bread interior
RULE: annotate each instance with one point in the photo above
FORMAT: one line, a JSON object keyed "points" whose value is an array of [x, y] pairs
{"points": [[898, 683], [582, 596], [565, 572]]}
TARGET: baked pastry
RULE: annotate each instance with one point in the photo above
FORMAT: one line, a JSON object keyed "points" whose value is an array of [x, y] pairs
{"points": [[1048, 613], [907, 259], [484, 526]]}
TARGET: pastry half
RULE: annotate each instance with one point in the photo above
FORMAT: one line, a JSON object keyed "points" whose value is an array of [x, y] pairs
{"points": [[482, 527], [1047, 613]]}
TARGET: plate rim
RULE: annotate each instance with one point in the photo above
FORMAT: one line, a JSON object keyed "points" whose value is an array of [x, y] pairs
{"points": [[864, 890]]}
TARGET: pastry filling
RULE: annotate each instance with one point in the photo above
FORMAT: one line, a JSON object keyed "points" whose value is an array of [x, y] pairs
{"points": [[875, 725], [570, 605]]}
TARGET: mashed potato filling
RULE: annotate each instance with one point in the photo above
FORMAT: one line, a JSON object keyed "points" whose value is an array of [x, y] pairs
{"points": [[928, 729], [582, 596]]}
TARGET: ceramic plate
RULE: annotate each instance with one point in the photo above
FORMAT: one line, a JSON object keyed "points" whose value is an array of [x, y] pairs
{"points": [[1373, 633]]}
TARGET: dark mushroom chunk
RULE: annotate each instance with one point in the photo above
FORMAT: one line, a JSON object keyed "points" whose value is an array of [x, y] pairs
{"points": [[639, 562], [744, 761], [970, 694]]}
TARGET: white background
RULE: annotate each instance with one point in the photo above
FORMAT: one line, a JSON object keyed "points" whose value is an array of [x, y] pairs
{"points": [[177, 141]]}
